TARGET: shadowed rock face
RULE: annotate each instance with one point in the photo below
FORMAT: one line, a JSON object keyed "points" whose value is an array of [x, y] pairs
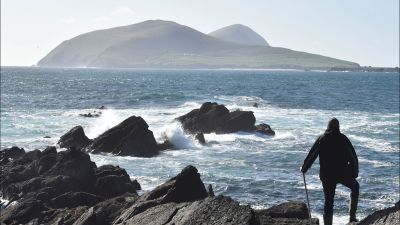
{"points": [[11, 153], [105, 195], [212, 117], [74, 138], [131, 137], [44, 183], [388, 216]]}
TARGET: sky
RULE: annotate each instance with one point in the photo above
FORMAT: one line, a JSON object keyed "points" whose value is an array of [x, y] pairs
{"points": [[361, 31]]}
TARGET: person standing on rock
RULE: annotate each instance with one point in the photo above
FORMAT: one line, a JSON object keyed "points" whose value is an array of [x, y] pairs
{"points": [[338, 165]]}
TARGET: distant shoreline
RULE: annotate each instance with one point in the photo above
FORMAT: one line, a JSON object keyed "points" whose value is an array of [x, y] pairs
{"points": [[333, 69]]}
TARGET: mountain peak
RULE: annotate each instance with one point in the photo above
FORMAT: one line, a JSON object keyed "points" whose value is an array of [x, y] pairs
{"points": [[240, 34]]}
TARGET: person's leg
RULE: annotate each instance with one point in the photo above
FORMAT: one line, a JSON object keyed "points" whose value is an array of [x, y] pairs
{"points": [[329, 192], [355, 192]]}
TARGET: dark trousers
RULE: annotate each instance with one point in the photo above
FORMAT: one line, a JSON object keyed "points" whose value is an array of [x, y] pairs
{"points": [[329, 191]]}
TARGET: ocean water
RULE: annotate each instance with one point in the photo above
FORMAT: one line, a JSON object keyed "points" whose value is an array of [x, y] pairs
{"points": [[251, 168]]}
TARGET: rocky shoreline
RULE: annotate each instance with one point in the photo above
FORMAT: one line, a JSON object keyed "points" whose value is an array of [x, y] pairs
{"points": [[66, 187]]}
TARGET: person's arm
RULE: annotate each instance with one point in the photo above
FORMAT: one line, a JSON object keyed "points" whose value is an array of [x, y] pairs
{"points": [[353, 156], [312, 155]]}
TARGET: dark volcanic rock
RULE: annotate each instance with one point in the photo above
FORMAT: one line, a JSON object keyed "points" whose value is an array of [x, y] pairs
{"points": [[44, 182], [213, 211], [211, 117], [388, 216], [286, 213], [185, 187], [75, 164], [13, 153], [106, 195], [200, 137], [74, 199], [74, 138], [264, 129], [22, 212], [287, 210], [131, 137]]}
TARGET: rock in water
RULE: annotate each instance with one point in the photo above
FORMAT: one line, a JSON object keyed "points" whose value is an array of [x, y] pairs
{"points": [[212, 117], [74, 138], [200, 137], [264, 129], [129, 138]]}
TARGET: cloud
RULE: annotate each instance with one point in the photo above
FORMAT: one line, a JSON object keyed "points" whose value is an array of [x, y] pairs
{"points": [[68, 19], [122, 10]]}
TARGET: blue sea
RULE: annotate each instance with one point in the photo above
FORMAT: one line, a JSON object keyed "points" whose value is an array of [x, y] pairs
{"points": [[251, 168]]}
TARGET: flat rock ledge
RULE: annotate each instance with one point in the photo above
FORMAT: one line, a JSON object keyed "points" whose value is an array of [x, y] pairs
{"points": [[49, 187]]}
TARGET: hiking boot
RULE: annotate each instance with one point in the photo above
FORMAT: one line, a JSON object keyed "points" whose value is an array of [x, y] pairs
{"points": [[353, 209], [328, 219]]}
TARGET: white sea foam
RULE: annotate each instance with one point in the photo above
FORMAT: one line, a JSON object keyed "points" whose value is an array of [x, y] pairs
{"points": [[175, 134]]}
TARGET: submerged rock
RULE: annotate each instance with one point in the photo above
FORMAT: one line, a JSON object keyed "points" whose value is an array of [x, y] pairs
{"points": [[74, 138], [129, 138], [212, 117], [90, 115]]}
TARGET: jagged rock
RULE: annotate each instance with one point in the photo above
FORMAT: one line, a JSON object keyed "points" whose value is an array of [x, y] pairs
{"points": [[75, 164], [74, 138], [264, 129], [60, 197], [212, 117], [217, 210], [22, 212], [200, 138], [210, 191], [105, 212], [44, 182], [13, 153], [255, 105], [388, 216], [185, 187], [131, 137]]}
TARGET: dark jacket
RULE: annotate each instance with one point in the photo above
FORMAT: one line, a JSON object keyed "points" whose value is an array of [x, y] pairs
{"points": [[337, 157]]}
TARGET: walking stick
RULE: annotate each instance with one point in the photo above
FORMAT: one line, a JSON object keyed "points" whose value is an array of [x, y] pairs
{"points": [[308, 202]]}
